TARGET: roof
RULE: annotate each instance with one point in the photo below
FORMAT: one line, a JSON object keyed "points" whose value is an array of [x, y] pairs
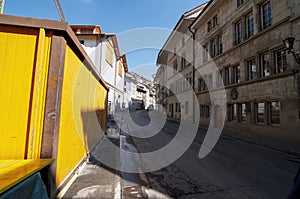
{"points": [[97, 31], [183, 24]]}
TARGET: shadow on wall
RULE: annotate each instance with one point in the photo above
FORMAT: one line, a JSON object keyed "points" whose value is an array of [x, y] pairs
{"points": [[94, 125]]}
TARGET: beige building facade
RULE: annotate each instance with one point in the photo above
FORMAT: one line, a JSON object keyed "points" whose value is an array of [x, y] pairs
{"points": [[244, 40]]}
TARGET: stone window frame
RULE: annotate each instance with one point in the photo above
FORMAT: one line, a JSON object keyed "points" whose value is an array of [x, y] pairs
{"points": [[269, 107], [235, 74], [256, 112], [232, 112], [205, 53], [284, 65], [204, 111], [265, 18], [252, 77], [175, 65], [249, 32], [235, 112], [216, 45], [265, 69], [238, 32]]}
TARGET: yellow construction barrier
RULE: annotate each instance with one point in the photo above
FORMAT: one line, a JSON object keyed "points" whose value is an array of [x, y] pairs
{"points": [[52, 100]]}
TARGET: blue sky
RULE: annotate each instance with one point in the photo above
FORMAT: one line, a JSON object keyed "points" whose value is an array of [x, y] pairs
{"points": [[114, 16]]}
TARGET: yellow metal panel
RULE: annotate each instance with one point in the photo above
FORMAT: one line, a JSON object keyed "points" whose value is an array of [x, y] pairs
{"points": [[83, 99], [17, 60], [39, 95], [14, 171]]}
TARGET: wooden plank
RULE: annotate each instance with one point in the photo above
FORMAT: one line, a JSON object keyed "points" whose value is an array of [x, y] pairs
{"points": [[14, 171]]}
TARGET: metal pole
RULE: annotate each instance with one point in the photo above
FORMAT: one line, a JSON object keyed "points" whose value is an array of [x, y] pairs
{"points": [[59, 9]]}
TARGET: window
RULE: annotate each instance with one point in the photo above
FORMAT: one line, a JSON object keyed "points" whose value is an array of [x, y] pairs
{"points": [[239, 2], [235, 77], [201, 85], [207, 111], [280, 61], [243, 112], [204, 111], [120, 68], [205, 54], [213, 48], [266, 17], [209, 26], [177, 108], [260, 113], [220, 44], [249, 25], [232, 112], [183, 61], [171, 107], [175, 51], [264, 65], [226, 76], [215, 21], [190, 79], [238, 32], [275, 113], [109, 54], [216, 46], [251, 69], [175, 64]]}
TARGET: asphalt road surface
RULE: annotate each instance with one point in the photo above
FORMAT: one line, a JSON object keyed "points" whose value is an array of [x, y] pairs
{"points": [[234, 169]]}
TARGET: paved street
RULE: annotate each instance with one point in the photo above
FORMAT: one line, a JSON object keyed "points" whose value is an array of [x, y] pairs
{"points": [[236, 168]]}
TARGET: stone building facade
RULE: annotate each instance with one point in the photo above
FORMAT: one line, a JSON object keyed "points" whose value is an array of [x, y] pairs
{"points": [[244, 40]]}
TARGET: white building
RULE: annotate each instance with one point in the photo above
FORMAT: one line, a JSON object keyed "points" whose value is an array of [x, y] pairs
{"points": [[139, 92], [104, 51]]}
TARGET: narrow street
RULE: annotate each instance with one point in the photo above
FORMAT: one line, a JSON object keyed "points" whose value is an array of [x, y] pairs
{"points": [[234, 169]]}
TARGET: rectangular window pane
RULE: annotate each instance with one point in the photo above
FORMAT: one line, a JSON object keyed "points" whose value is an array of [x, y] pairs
{"points": [[251, 70], [238, 32], [175, 64], [244, 113], [249, 25], [275, 113], [226, 76], [261, 113], [265, 65], [235, 76], [220, 44], [280, 61], [266, 14]]}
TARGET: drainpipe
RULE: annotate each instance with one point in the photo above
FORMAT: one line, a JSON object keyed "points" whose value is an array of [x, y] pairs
{"points": [[193, 67]]}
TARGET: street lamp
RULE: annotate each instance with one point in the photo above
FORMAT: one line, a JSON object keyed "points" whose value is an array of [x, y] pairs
{"points": [[289, 44]]}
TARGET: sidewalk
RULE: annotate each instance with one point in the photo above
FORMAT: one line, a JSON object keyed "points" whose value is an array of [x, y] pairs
{"points": [[96, 180]]}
